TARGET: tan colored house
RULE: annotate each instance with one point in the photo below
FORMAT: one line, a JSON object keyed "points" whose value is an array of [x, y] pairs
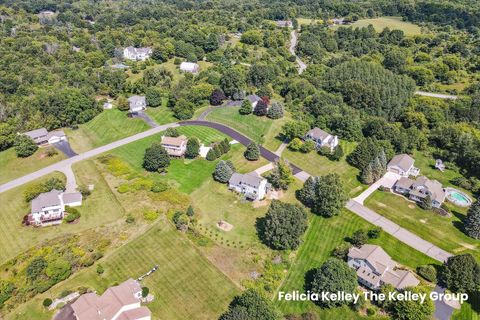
{"points": [[175, 146], [402, 164], [375, 268], [420, 188], [121, 302]]}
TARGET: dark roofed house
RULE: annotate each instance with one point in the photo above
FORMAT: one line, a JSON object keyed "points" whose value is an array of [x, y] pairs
{"points": [[39, 136], [375, 268]]}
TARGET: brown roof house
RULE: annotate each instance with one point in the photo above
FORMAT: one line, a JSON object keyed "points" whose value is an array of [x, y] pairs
{"points": [[322, 138], [402, 164], [48, 208], [375, 267], [175, 146], [121, 302], [420, 188]]}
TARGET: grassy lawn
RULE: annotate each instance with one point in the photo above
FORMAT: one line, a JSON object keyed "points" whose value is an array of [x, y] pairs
{"points": [[13, 167], [109, 126], [161, 115], [100, 208], [205, 134], [379, 24], [186, 285], [444, 232], [318, 165], [321, 238], [306, 21], [261, 129]]}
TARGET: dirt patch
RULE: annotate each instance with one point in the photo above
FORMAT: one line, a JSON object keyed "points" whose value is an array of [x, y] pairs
{"points": [[469, 246], [412, 206], [259, 204], [42, 155], [275, 194], [381, 205], [224, 226], [423, 221]]}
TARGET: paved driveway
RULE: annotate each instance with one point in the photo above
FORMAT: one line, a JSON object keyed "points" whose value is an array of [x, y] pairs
{"points": [[442, 310], [65, 148], [387, 181], [146, 118], [66, 313]]}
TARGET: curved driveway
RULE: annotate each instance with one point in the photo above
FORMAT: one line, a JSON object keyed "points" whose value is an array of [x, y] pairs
{"points": [[293, 44]]}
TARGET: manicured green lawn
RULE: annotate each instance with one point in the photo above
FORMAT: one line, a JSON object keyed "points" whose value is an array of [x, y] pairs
{"points": [[318, 165], [100, 208], [321, 238], [205, 134], [444, 232], [161, 115], [13, 167], [381, 23], [109, 126], [261, 129], [470, 311], [186, 285]]}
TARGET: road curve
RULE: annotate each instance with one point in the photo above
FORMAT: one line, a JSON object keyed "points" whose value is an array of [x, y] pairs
{"points": [[293, 44]]}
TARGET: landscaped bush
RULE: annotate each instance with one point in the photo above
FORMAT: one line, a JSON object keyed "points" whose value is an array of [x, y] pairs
{"points": [[159, 186], [145, 292], [72, 214], [47, 302], [428, 272], [24, 146], [151, 215]]}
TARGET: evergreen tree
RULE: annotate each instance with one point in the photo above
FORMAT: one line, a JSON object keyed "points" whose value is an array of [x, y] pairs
{"points": [[246, 107], [275, 111], [193, 148], [190, 211], [211, 155], [253, 152], [217, 150], [426, 203], [367, 175], [337, 153], [461, 273], [261, 109], [330, 195], [472, 222], [307, 194], [156, 158], [226, 145], [223, 171]]}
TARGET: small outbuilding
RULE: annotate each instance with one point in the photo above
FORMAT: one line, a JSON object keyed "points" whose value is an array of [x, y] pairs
{"points": [[190, 67]]}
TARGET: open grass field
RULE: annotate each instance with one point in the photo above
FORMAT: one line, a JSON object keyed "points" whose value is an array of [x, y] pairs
{"points": [[381, 23], [261, 129], [100, 208], [306, 21], [161, 115], [109, 126], [444, 232], [318, 165], [322, 236], [13, 167], [186, 285]]}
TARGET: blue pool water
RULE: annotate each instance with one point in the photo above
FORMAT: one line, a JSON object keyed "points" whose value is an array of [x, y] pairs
{"points": [[459, 198]]}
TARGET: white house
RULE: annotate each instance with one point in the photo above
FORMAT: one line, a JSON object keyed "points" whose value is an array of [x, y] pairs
{"points": [[402, 164], [137, 103], [137, 54], [120, 302], [375, 268], [175, 146], [191, 67], [420, 188], [56, 136], [48, 208], [284, 23], [253, 99], [253, 186], [322, 138]]}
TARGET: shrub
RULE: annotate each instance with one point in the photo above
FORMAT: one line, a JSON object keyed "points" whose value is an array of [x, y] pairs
{"points": [[374, 233], [172, 132], [145, 292], [275, 111], [72, 214], [341, 251], [50, 152], [159, 186], [246, 107], [261, 109], [100, 269], [295, 144], [151, 215], [25, 146], [84, 190], [47, 302], [253, 152], [359, 238], [130, 219], [428, 272], [308, 146]]}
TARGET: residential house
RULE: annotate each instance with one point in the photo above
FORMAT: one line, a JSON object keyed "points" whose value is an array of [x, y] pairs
{"points": [[175, 146], [48, 208], [137, 54], [56, 136], [322, 138], [253, 186], [191, 67], [253, 99], [420, 188], [120, 302], [402, 164], [39, 136], [375, 268], [137, 103], [284, 23]]}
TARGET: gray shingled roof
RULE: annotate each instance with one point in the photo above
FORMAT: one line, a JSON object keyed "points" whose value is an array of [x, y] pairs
{"points": [[37, 133], [72, 197], [137, 99], [318, 134], [253, 98], [46, 199], [403, 161], [251, 179]]}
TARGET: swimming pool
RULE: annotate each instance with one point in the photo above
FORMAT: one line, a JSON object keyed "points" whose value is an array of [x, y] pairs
{"points": [[458, 198]]}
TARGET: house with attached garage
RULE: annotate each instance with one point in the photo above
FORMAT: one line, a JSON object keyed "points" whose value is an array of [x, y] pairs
{"points": [[175, 146], [402, 164], [420, 188], [137, 103], [56, 136], [191, 67], [42, 136], [121, 302], [253, 99], [374, 268], [322, 139], [251, 185], [48, 208], [137, 54]]}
